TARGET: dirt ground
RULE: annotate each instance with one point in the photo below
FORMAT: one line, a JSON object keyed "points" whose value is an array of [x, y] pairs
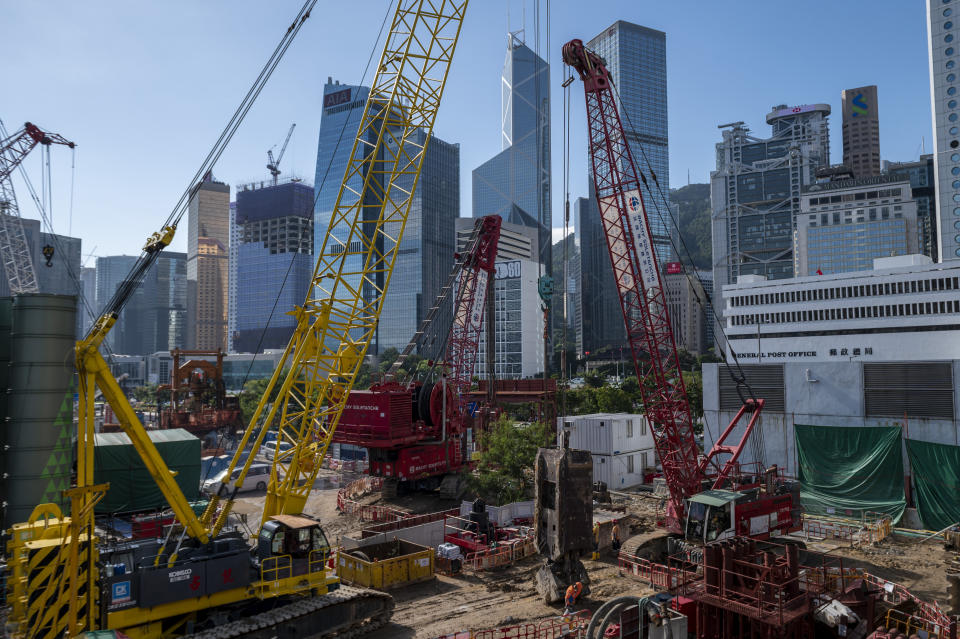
{"points": [[504, 597]]}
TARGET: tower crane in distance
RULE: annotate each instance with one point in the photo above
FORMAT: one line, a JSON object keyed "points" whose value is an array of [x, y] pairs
{"points": [[274, 165], [708, 501], [205, 579], [14, 252]]}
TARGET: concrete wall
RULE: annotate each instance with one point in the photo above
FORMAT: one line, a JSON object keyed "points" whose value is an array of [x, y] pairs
{"points": [[818, 394], [430, 535]]}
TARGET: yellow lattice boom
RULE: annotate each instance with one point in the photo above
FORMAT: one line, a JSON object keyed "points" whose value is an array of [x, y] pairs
{"points": [[338, 319]]}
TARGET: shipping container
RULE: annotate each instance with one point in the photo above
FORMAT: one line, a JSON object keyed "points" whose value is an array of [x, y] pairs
{"points": [[132, 488], [386, 565], [607, 433], [624, 470]]}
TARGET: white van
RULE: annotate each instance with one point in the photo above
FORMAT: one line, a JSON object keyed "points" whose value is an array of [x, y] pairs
{"points": [[256, 479]]}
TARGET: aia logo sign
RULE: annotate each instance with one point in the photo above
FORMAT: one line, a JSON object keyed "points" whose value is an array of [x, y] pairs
{"points": [[634, 202]]}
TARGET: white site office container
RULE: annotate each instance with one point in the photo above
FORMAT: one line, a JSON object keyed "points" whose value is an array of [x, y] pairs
{"points": [[624, 470], [607, 433]]}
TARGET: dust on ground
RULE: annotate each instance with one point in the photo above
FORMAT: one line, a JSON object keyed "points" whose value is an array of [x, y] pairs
{"points": [[507, 596]]}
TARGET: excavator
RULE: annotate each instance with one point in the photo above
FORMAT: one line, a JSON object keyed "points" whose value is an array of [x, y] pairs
{"points": [[205, 578], [416, 432], [708, 500]]}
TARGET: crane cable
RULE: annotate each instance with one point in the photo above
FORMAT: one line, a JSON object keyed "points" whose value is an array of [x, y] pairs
{"points": [[316, 199], [136, 275], [740, 377], [758, 443]]}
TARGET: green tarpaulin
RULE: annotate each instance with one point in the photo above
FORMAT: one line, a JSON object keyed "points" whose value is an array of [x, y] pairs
{"points": [[115, 460], [845, 471], [936, 477]]}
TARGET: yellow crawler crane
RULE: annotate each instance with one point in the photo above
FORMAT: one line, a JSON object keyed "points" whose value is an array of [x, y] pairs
{"points": [[204, 580]]}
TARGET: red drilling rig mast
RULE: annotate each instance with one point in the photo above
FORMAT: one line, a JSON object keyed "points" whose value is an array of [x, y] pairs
{"points": [[649, 333], [415, 432]]}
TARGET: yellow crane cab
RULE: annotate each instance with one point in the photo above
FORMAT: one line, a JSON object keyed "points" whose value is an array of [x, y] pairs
{"points": [[292, 544]]}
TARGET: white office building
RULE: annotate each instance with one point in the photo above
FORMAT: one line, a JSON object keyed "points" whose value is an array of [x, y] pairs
{"points": [[943, 39], [905, 309], [845, 224], [519, 316]]}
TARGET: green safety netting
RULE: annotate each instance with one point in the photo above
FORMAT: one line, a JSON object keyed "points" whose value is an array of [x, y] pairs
{"points": [[936, 477], [846, 471]]}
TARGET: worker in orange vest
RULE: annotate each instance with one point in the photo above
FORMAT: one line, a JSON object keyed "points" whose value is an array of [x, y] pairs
{"points": [[573, 591]]}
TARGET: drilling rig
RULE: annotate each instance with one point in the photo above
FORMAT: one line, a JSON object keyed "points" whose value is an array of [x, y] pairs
{"points": [[416, 432]]}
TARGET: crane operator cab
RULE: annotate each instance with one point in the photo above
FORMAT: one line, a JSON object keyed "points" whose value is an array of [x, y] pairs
{"points": [[710, 516], [292, 545]]}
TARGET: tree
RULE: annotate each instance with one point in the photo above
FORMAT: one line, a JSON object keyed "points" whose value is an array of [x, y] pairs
{"points": [[504, 471], [387, 358], [146, 394], [593, 379], [693, 381]]}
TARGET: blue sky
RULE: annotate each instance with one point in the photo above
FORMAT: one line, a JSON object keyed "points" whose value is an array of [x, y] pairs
{"points": [[145, 88]]}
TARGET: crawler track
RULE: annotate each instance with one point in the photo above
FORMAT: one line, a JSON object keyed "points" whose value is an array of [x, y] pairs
{"points": [[345, 613]]}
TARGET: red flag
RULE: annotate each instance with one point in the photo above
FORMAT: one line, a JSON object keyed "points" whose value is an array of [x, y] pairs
{"points": [[819, 272]]}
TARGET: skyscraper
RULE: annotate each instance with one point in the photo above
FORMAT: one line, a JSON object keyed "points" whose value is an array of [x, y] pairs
{"points": [[755, 191], [274, 263], [921, 176], [155, 317], [601, 318], [945, 104], [339, 122], [637, 59], [515, 183], [861, 131], [232, 278], [112, 270], [425, 255], [208, 242], [88, 305], [518, 326]]}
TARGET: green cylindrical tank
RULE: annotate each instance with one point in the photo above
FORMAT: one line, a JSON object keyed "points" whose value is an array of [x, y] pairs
{"points": [[39, 428], [6, 317]]}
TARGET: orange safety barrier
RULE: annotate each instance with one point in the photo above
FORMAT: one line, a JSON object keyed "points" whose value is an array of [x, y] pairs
{"points": [[657, 575], [503, 554], [554, 628]]}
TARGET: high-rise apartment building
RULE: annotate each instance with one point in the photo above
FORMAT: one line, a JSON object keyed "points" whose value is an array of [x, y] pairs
{"points": [[845, 224], [921, 177], [861, 131], [515, 183], [208, 243], [942, 31], [274, 263], [518, 324], [755, 191], [425, 254], [637, 59]]}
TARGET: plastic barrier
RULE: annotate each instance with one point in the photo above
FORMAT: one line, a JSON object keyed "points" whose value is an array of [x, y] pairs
{"points": [[871, 529]]}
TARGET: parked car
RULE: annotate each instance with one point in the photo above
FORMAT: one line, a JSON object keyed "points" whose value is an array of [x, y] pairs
{"points": [[270, 449], [256, 479]]}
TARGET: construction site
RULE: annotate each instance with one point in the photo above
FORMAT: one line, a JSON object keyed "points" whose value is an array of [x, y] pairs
{"points": [[437, 501]]}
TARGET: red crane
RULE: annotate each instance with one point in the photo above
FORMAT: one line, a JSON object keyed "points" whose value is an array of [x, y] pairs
{"points": [[415, 433], [17, 261], [649, 334]]}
